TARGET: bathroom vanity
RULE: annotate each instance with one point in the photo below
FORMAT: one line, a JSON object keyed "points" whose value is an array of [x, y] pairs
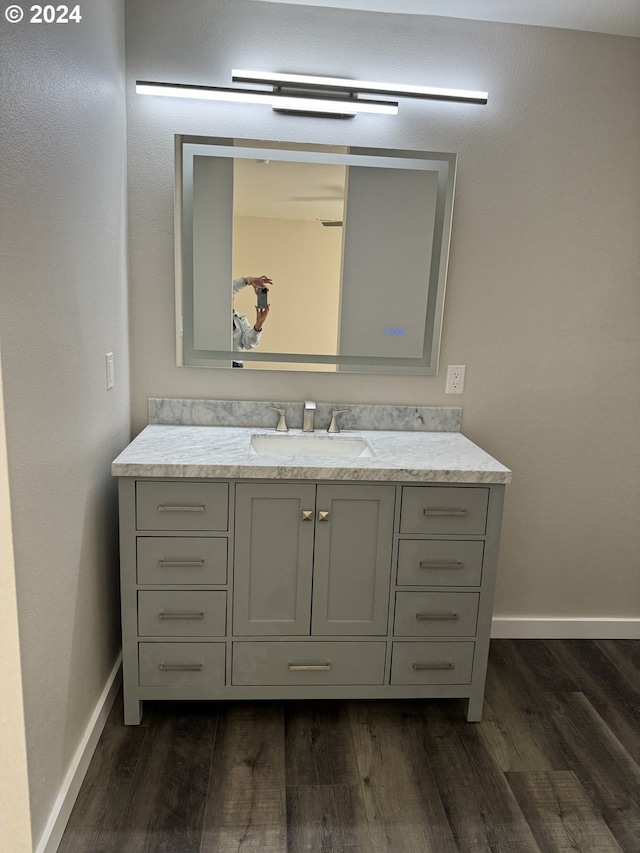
{"points": [[263, 565]]}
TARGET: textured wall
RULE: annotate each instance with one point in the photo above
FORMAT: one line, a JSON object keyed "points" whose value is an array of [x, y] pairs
{"points": [[542, 297], [63, 305]]}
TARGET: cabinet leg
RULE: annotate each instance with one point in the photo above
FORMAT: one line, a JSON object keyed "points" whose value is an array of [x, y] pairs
{"points": [[132, 711], [474, 708]]}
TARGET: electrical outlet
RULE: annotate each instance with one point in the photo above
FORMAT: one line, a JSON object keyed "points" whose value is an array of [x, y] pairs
{"points": [[111, 381], [455, 379]]}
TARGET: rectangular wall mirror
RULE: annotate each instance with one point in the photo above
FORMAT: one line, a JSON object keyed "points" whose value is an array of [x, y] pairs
{"points": [[356, 241]]}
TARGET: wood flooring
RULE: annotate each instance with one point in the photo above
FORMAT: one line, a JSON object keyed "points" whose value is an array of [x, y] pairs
{"points": [[553, 767]]}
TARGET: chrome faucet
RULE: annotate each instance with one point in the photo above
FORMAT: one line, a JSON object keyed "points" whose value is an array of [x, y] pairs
{"points": [[308, 416]]}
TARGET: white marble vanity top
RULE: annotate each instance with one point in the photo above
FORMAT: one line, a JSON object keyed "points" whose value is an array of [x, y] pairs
{"points": [[162, 450]]}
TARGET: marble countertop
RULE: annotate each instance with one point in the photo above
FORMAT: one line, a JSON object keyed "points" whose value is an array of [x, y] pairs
{"points": [[162, 450]]}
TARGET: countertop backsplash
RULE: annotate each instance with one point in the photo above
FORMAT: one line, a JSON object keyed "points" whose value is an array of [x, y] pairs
{"points": [[252, 413]]}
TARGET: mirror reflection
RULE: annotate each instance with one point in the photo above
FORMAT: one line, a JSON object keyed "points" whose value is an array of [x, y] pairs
{"points": [[288, 224], [352, 246]]}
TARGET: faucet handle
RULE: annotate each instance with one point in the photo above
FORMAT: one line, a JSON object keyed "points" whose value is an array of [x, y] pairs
{"points": [[282, 422], [333, 426]]}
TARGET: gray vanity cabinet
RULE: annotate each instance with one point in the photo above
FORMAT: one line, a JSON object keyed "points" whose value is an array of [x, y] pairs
{"points": [[276, 589], [312, 559]]}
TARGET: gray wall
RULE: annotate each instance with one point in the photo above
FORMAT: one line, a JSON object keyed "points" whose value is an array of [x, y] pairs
{"points": [[63, 305], [542, 299]]}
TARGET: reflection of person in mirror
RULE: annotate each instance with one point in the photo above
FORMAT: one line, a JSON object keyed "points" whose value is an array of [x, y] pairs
{"points": [[245, 335]]}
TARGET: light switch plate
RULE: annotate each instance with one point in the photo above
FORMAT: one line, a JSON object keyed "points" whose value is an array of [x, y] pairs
{"points": [[111, 381]]}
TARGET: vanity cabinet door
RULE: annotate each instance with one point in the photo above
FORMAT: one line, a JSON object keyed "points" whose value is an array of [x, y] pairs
{"points": [[294, 538], [352, 564], [273, 559]]}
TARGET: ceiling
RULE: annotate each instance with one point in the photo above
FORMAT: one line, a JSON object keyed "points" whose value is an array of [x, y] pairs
{"points": [[618, 17]]}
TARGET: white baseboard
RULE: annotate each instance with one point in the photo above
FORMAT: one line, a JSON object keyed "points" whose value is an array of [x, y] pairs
{"points": [[524, 628], [70, 787]]}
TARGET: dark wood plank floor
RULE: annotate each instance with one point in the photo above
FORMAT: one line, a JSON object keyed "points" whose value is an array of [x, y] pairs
{"points": [[553, 767]]}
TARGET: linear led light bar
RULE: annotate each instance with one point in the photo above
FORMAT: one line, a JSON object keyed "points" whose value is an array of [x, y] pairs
{"points": [[341, 84], [283, 102]]}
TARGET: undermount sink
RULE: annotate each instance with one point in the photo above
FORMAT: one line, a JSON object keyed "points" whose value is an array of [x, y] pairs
{"points": [[310, 445]]}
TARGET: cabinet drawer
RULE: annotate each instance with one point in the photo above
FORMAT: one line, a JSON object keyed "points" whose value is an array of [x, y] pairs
{"points": [[439, 562], [182, 506], [436, 614], [177, 613], [431, 663], [181, 560], [308, 663], [188, 665], [429, 509]]}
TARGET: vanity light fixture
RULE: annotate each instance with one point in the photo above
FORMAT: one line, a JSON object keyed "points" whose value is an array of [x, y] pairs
{"points": [[355, 87], [304, 94], [297, 103]]}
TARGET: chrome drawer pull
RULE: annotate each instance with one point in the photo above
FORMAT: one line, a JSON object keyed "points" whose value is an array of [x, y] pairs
{"points": [[323, 515], [164, 615], [444, 665], [309, 667], [307, 514], [166, 508], [459, 513], [425, 617], [434, 564], [181, 564], [181, 667]]}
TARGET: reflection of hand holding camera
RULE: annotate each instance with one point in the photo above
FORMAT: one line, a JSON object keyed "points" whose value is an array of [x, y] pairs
{"points": [[262, 307]]}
